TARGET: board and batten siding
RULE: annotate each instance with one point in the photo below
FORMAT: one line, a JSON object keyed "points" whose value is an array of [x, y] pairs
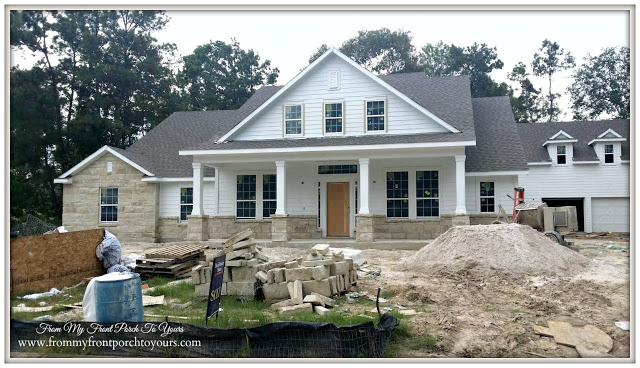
{"points": [[577, 181], [170, 198], [355, 88]]}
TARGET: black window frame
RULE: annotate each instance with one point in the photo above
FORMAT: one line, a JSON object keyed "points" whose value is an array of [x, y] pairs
{"points": [[489, 196], [270, 187], [244, 199], [427, 193], [397, 194], [186, 203]]}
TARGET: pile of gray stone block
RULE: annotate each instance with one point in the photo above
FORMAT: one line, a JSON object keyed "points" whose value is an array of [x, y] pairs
{"points": [[308, 283], [243, 258], [201, 278]]}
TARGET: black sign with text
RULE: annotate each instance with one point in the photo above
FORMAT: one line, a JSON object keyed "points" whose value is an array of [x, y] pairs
{"points": [[215, 289]]}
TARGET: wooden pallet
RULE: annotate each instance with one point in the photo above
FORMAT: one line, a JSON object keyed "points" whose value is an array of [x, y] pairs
{"points": [[169, 266], [175, 251]]}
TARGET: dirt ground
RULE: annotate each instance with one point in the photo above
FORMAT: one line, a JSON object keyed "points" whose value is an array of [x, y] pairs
{"points": [[494, 317]]}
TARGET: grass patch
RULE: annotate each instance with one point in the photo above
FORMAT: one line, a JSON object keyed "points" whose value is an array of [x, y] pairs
{"points": [[402, 339], [516, 310], [157, 281], [490, 308], [184, 291], [387, 294]]}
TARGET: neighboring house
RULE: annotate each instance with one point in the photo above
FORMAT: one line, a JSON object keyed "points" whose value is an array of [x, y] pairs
{"points": [[336, 152]]}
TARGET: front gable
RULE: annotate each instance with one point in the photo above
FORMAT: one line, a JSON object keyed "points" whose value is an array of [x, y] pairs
{"points": [[334, 79]]}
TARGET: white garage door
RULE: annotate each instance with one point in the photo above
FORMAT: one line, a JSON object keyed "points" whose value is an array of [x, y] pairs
{"points": [[610, 214]]}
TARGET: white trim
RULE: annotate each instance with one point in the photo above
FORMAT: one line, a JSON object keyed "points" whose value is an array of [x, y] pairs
{"points": [[327, 149], [496, 173], [284, 118], [607, 140], [99, 153], [610, 131], [62, 181], [539, 163], [312, 66], [625, 161], [585, 162], [383, 116], [168, 180], [561, 132], [560, 141]]}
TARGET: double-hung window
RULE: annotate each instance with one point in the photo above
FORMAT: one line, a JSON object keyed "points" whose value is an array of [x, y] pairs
{"points": [[375, 116], [269, 192], [398, 194], [561, 155], [333, 117], [608, 154], [108, 204], [246, 196], [293, 119], [427, 194], [487, 197], [186, 203]]}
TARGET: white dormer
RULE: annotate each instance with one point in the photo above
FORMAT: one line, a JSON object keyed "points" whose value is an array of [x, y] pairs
{"points": [[608, 147], [560, 148]]}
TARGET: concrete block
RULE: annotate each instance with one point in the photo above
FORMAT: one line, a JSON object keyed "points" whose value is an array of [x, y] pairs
{"points": [[252, 262], [300, 273], [261, 256], [207, 275], [350, 262], [320, 262], [238, 237], [241, 253], [340, 268], [202, 291], [296, 290], [320, 310], [321, 248], [262, 276], [226, 275], [313, 257], [285, 303], [270, 276], [236, 263], [340, 284], [195, 277], [320, 272], [248, 256], [328, 302], [292, 264], [313, 299], [244, 274], [241, 288], [333, 284], [278, 291], [242, 244], [224, 289], [299, 260], [279, 275], [295, 309], [321, 287]]}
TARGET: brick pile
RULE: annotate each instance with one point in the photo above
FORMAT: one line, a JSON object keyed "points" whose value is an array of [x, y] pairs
{"points": [[308, 283]]}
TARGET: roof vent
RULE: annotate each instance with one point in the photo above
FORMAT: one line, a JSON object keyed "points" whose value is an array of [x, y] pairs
{"points": [[334, 80]]}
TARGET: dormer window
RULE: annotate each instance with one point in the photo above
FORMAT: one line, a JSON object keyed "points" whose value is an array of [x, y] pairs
{"points": [[293, 119], [376, 116], [561, 157], [608, 154]]}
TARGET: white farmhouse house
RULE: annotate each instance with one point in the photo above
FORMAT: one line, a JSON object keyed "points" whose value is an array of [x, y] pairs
{"points": [[339, 152]]}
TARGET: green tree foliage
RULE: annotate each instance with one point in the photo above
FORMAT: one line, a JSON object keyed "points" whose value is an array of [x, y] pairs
{"points": [[381, 51], [476, 61], [223, 76], [601, 85], [550, 61], [526, 107]]}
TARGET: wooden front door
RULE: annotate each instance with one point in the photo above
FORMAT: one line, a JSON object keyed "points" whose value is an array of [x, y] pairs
{"points": [[337, 209]]}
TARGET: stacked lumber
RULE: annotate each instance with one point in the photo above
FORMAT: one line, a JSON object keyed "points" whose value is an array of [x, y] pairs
{"points": [[243, 259], [174, 261], [308, 283]]}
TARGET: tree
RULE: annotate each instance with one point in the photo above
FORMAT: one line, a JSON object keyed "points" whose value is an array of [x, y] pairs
{"points": [[551, 61], [223, 76], [526, 107], [381, 51], [601, 85], [476, 61]]}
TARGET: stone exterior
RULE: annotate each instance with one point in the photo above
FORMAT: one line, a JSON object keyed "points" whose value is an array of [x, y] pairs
{"points": [[484, 219], [280, 229], [365, 228], [460, 220], [385, 229], [137, 200], [303, 227], [223, 227], [197, 228], [170, 229]]}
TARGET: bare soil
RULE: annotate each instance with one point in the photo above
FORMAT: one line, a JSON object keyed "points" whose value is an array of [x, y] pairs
{"points": [[494, 315]]}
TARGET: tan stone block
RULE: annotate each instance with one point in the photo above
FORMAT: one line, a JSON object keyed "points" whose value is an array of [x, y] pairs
{"points": [[279, 275], [319, 262], [295, 290], [262, 276], [270, 276], [313, 299], [236, 263], [328, 302], [320, 272], [292, 264], [300, 273], [321, 310], [333, 284], [277, 291], [244, 274], [295, 309], [321, 287], [285, 303], [241, 288], [339, 268], [321, 248]]}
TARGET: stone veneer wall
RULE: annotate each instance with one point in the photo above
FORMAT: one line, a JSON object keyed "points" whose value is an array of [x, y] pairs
{"points": [[171, 230], [420, 229], [298, 227], [303, 227], [137, 200]]}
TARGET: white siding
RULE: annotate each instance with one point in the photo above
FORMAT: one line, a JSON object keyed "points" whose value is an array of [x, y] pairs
{"points": [[170, 198], [355, 88], [577, 181], [503, 186]]}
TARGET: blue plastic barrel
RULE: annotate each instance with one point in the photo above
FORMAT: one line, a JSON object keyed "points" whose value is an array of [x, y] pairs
{"points": [[119, 300]]}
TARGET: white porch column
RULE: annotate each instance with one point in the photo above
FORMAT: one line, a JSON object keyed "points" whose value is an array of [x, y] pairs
{"points": [[461, 207], [197, 189], [217, 192], [281, 185], [364, 186]]}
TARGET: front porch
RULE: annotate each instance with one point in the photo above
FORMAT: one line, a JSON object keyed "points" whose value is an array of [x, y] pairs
{"points": [[387, 197]]}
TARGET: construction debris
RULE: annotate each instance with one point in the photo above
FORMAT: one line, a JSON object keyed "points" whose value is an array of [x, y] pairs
{"points": [[49, 293], [589, 341], [174, 261]]}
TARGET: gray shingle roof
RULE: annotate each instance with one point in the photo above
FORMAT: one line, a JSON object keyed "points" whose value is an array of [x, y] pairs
{"points": [[534, 135], [498, 145]]}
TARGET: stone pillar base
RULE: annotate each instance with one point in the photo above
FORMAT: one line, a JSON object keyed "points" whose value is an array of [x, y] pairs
{"points": [[364, 228], [460, 220], [197, 228], [279, 229]]}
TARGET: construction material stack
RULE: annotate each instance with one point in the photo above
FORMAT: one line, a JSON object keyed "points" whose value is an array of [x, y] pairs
{"points": [[243, 256], [174, 261], [307, 283], [201, 278]]}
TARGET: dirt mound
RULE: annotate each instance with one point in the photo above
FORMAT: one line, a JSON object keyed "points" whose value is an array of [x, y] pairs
{"points": [[487, 250]]}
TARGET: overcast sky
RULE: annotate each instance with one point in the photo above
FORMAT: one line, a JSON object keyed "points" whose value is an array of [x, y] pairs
{"points": [[289, 38]]}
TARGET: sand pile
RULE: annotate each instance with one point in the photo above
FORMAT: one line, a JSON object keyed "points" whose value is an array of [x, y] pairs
{"points": [[486, 250]]}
